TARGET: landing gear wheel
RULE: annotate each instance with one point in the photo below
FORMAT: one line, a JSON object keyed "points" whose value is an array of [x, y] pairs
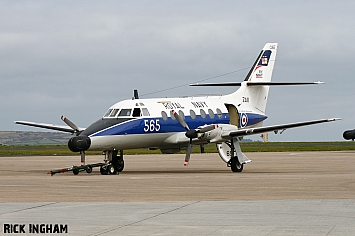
{"points": [[117, 161], [235, 165], [120, 166], [103, 170], [75, 171], [110, 169], [88, 169]]}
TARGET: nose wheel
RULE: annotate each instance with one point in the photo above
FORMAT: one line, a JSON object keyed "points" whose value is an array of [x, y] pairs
{"points": [[108, 170]]}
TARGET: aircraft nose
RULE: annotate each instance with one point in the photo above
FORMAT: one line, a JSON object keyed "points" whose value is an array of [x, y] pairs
{"points": [[79, 143]]}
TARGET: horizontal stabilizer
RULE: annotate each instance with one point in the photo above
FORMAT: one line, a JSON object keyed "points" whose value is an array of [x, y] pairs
{"points": [[257, 83]]}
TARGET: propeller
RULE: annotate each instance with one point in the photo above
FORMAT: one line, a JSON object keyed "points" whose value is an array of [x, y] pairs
{"points": [[70, 124], [191, 133], [189, 146], [79, 143]]}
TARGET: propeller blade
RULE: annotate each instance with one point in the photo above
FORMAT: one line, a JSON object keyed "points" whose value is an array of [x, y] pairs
{"points": [[188, 154], [181, 120], [70, 124]]}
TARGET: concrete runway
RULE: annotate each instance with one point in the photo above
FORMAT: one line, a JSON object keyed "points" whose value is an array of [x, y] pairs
{"points": [[301, 193]]}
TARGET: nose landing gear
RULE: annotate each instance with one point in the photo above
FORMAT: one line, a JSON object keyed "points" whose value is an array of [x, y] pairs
{"points": [[113, 163]]}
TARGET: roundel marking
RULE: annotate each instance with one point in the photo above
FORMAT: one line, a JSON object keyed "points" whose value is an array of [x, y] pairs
{"points": [[243, 120]]}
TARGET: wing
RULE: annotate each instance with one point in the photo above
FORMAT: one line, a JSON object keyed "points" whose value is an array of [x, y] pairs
{"points": [[48, 126], [259, 130], [232, 84]]}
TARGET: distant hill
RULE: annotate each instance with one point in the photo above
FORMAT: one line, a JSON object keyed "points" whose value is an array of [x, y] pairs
{"points": [[33, 138]]}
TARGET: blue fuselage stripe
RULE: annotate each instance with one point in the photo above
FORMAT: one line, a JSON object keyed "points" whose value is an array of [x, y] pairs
{"points": [[147, 125]]}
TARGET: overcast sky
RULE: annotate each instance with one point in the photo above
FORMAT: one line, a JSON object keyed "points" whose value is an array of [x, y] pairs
{"points": [[77, 58]]}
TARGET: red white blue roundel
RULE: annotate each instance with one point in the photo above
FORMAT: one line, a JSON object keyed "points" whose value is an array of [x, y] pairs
{"points": [[243, 120]]}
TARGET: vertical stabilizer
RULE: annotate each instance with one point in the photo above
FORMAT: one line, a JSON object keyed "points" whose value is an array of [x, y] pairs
{"points": [[264, 64], [260, 72]]}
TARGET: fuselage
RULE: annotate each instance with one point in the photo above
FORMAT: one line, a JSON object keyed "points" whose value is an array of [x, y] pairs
{"points": [[149, 123]]}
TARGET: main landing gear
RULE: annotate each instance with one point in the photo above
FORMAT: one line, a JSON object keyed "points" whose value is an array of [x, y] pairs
{"points": [[231, 154], [113, 164], [234, 163]]}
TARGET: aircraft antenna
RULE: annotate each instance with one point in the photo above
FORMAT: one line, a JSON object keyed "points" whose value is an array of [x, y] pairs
{"points": [[163, 90], [135, 94]]}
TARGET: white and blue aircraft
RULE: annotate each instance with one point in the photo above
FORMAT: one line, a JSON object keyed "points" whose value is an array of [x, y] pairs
{"points": [[174, 124]]}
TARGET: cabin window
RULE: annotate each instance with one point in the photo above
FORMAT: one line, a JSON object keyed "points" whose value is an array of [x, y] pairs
{"points": [[181, 114], [108, 113], [210, 113], [172, 115], [145, 112], [219, 113], [164, 115], [125, 112], [114, 112], [136, 112], [203, 113], [192, 114]]}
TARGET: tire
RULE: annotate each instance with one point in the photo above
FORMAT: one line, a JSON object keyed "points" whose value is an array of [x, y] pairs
{"points": [[75, 171], [110, 170], [120, 166], [235, 165], [103, 170], [88, 169]]}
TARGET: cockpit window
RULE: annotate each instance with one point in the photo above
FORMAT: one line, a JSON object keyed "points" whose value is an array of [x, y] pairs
{"points": [[136, 112], [108, 113], [114, 113], [125, 112], [145, 112]]}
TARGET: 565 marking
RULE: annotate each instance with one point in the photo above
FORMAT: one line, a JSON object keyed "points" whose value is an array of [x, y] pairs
{"points": [[151, 125]]}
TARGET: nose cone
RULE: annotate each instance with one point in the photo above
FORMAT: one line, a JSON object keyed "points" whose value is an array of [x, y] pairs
{"points": [[79, 143]]}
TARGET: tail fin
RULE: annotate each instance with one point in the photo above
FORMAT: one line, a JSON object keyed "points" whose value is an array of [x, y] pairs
{"points": [[264, 65], [255, 97], [254, 90]]}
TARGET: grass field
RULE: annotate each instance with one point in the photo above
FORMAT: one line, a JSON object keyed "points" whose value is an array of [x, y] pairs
{"points": [[62, 150]]}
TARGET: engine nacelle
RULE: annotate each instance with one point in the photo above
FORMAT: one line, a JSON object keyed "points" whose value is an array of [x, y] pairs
{"points": [[216, 135], [79, 143], [349, 134]]}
